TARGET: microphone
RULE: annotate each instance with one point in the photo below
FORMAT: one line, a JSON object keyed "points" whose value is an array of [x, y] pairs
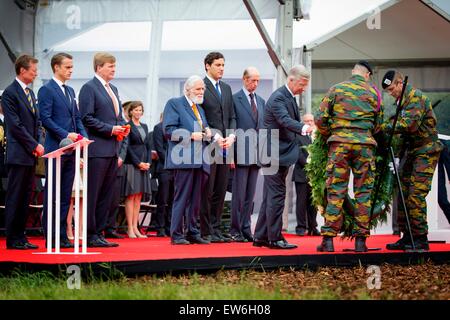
{"points": [[64, 143]]}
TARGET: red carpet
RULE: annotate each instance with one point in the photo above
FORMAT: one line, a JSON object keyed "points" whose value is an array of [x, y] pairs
{"points": [[154, 248]]}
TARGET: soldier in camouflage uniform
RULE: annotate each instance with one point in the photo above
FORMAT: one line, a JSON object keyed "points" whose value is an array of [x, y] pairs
{"points": [[350, 114], [417, 127]]}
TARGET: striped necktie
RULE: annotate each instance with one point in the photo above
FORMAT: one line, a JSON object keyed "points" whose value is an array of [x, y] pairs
{"points": [[30, 100]]}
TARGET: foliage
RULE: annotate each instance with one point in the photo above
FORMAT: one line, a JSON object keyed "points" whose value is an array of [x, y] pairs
{"points": [[316, 171]]}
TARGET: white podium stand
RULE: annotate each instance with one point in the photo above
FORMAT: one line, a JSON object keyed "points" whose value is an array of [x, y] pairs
{"points": [[50, 180]]}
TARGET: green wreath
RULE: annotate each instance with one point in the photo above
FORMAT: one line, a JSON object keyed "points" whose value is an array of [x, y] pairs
{"points": [[316, 171]]}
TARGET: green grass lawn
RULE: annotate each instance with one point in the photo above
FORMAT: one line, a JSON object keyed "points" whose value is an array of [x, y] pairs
{"points": [[426, 281]]}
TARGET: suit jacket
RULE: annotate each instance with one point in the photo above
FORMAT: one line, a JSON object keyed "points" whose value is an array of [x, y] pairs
{"points": [[178, 125], [299, 174], [139, 150], [59, 116], [281, 113], [219, 111], [3, 171], [247, 154], [160, 144], [99, 117], [22, 126]]}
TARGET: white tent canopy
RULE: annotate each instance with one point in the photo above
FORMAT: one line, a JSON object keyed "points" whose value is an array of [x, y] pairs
{"points": [[158, 44]]}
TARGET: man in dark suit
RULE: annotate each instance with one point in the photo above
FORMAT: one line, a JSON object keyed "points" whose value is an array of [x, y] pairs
{"points": [[219, 110], [186, 129], [249, 110], [111, 221], [101, 114], [443, 166], [305, 210], [281, 119], [22, 135], [60, 117], [164, 198]]}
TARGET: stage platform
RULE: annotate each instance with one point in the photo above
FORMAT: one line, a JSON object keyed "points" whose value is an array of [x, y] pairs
{"points": [[157, 255]]}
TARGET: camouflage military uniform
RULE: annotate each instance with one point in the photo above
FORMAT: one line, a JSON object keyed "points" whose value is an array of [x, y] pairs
{"points": [[349, 116], [417, 126]]}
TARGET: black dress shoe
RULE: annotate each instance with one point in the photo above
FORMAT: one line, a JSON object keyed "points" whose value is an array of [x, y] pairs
{"points": [[225, 238], [17, 246], [360, 244], [161, 233], [248, 237], [108, 244], [29, 245], [281, 244], [198, 240], [63, 244], [314, 232], [179, 241], [97, 243], [400, 244], [300, 232], [326, 245], [260, 243], [216, 239], [238, 238], [113, 235]]}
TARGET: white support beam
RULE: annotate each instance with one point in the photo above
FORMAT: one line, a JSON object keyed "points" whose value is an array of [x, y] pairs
{"points": [[277, 59], [151, 109]]}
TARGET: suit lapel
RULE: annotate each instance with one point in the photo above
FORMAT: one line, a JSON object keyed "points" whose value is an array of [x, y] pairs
{"points": [[61, 94], [245, 104], [293, 102], [24, 98], [189, 110], [105, 94], [210, 87]]}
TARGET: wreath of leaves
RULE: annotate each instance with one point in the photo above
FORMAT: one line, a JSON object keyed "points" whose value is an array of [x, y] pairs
{"points": [[316, 171]]}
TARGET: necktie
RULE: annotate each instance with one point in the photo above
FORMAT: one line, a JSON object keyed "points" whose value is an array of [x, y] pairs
{"points": [[30, 100], [197, 115], [218, 89], [253, 105], [66, 92], [113, 98]]}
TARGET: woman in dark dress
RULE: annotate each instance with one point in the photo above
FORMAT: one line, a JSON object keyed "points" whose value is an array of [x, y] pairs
{"points": [[137, 164]]}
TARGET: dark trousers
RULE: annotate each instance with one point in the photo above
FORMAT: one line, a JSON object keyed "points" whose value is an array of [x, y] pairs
{"points": [[212, 202], [270, 222], [102, 173], [111, 220], [442, 189], [305, 210], [67, 177], [164, 200], [20, 181], [189, 187], [244, 185]]}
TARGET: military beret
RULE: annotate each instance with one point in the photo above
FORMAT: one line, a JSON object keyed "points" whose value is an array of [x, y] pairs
{"points": [[365, 64], [388, 79]]}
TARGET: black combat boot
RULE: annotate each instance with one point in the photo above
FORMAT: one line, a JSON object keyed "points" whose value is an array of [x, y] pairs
{"points": [[420, 243], [400, 244], [360, 244], [326, 245]]}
